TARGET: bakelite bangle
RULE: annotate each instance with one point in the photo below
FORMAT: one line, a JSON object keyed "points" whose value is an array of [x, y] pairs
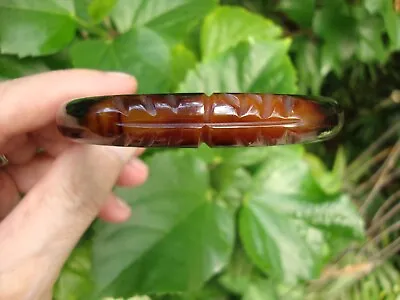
{"points": [[188, 120]]}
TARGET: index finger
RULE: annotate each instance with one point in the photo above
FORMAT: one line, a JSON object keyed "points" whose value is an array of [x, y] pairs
{"points": [[29, 103]]}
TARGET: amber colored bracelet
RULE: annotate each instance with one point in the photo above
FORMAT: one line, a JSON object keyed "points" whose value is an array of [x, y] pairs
{"points": [[188, 120]]}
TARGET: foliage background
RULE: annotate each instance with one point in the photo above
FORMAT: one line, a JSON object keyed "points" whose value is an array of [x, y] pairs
{"points": [[262, 223]]}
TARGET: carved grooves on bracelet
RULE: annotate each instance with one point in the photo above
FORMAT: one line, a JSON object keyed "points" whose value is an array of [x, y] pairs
{"points": [[261, 106], [264, 109]]}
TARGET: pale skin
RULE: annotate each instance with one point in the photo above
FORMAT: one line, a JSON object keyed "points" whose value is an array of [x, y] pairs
{"points": [[65, 188]]}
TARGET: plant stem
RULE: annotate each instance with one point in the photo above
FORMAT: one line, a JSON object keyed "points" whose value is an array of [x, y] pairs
{"points": [[394, 227], [384, 219], [385, 169], [360, 160], [391, 200], [92, 28], [388, 252]]}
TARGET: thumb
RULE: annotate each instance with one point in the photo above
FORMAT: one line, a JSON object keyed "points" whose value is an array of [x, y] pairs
{"points": [[54, 215]]}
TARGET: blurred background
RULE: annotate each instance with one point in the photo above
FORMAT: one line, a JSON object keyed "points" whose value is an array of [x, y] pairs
{"points": [[316, 221]]}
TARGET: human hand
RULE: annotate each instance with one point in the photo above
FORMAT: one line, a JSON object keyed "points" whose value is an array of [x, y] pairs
{"points": [[65, 187]]}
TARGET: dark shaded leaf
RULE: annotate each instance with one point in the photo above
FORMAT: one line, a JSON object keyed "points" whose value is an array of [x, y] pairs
{"points": [[172, 18]]}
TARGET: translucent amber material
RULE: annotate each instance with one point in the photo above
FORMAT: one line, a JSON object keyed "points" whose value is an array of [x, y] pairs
{"points": [[187, 120]]}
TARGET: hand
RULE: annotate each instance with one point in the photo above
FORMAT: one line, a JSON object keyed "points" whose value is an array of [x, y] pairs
{"points": [[64, 188]]}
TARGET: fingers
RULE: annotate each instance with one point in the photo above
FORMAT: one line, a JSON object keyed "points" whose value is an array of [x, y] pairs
{"points": [[60, 207], [134, 173], [32, 102], [21, 179], [115, 210]]}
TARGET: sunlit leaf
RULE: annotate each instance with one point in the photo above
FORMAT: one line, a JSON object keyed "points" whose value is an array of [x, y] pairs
{"points": [[249, 67], [139, 52], [227, 26], [287, 217], [183, 60]]}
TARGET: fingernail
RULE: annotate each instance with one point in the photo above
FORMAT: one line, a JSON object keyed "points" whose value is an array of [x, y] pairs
{"points": [[123, 205], [125, 153], [121, 75]]}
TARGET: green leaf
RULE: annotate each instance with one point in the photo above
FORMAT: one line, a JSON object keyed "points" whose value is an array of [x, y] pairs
{"points": [[75, 281], [240, 274], [392, 24], [329, 23], [363, 38], [99, 9], [231, 183], [33, 28], [140, 52], [81, 9], [308, 66], [330, 182], [261, 290], [249, 67], [287, 219], [370, 46], [183, 60], [12, 67], [374, 6], [301, 12], [227, 26], [176, 239], [172, 18], [390, 18]]}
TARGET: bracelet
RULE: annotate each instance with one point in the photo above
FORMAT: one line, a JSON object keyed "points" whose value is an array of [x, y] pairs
{"points": [[188, 120]]}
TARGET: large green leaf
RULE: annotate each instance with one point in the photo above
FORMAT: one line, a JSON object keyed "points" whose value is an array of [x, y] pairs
{"points": [[33, 28], [140, 52], [249, 67], [287, 219], [176, 239], [75, 281], [172, 18], [227, 26]]}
